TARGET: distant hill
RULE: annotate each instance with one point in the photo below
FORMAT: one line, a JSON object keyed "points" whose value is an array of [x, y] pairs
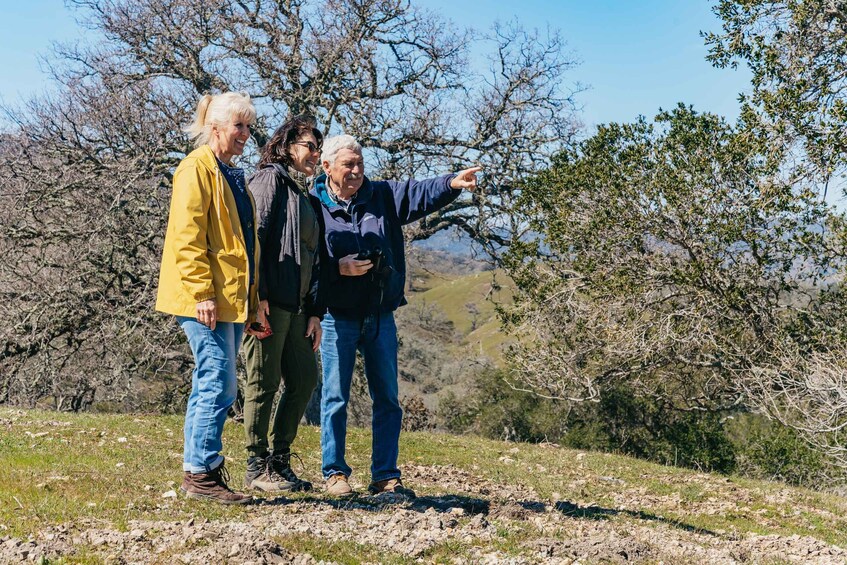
{"points": [[95, 488], [449, 330], [469, 303]]}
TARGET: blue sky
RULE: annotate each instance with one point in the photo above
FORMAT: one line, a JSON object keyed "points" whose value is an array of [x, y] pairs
{"points": [[637, 56], [26, 31]]}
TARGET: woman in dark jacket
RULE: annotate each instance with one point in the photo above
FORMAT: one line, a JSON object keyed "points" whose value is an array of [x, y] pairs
{"points": [[289, 309]]}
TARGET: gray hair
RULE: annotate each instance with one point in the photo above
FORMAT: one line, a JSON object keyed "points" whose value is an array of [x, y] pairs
{"points": [[335, 144]]}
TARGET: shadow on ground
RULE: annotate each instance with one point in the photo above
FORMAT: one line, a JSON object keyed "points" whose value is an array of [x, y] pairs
{"points": [[446, 503], [593, 512], [474, 505]]}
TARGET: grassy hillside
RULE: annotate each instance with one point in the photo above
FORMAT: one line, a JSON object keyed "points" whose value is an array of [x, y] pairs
{"points": [[98, 488], [467, 298], [449, 331], [468, 302]]}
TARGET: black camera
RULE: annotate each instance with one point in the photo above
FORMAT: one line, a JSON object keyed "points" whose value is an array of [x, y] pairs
{"points": [[374, 255]]}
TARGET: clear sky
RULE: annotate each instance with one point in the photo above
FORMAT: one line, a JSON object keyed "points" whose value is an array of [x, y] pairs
{"points": [[637, 56]]}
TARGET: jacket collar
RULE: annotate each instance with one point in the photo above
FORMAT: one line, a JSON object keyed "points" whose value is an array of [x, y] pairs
{"points": [[321, 190], [278, 167], [205, 155]]}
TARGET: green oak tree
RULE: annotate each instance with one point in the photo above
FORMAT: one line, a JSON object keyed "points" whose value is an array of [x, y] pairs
{"points": [[675, 260], [797, 53]]}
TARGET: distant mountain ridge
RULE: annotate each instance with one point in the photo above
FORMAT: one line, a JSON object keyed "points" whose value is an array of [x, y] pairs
{"points": [[449, 241]]}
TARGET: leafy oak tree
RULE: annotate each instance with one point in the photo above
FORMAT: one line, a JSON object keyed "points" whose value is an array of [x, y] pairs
{"points": [[675, 260], [85, 172], [797, 53]]}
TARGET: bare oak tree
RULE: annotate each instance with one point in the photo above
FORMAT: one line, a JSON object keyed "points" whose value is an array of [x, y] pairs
{"points": [[85, 172], [84, 182]]}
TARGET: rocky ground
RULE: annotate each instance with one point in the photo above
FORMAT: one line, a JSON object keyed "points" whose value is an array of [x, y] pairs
{"points": [[490, 523]]}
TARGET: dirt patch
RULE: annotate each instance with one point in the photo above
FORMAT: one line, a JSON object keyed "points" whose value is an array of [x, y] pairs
{"points": [[492, 523]]}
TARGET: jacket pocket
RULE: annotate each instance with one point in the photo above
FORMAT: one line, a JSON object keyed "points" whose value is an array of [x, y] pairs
{"points": [[284, 284], [228, 274]]}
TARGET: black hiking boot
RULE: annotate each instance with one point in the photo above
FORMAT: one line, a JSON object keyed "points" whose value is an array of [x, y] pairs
{"points": [[279, 468]]}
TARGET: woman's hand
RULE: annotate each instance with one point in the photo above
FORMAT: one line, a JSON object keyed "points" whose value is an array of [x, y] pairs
{"points": [[314, 331], [349, 266], [207, 313], [263, 313], [262, 319], [465, 179]]}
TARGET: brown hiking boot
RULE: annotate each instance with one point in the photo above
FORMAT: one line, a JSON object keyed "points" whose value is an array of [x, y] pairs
{"points": [[391, 486], [212, 486], [337, 485], [273, 473]]}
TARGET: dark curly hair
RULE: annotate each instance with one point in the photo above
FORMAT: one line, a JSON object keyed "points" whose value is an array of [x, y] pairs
{"points": [[276, 149]]}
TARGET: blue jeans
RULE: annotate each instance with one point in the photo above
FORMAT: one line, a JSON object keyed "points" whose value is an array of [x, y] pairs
{"points": [[213, 390], [376, 337]]}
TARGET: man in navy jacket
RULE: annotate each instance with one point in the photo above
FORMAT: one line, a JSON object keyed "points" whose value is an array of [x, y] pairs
{"points": [[363, 281]]}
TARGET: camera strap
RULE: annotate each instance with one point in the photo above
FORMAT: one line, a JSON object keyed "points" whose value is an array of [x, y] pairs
{"points": [[378, 305]]}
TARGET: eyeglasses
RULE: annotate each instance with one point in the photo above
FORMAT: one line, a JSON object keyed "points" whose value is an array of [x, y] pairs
{"points": [[311, 146]]}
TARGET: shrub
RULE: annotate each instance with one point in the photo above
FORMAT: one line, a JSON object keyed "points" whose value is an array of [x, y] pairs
{"points": [[768, 450], [619, 422]]}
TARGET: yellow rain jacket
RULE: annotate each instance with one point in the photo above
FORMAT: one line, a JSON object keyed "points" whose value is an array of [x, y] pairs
{"points": [[204, 255]]}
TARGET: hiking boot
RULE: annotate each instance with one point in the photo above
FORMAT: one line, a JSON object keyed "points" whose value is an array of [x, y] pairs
{"points": [[391, 486], [337, 485], [257, 476], [279, 469], [212, 486]]}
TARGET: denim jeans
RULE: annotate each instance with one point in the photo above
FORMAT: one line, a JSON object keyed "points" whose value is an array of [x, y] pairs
{"points": [[376, 337], [213, 390]]}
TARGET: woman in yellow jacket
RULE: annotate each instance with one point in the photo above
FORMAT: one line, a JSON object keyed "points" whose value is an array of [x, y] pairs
{"points": [[208, 280]]}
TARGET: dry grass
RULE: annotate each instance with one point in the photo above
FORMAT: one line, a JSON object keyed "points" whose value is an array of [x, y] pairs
{"points": [[113, 470]]}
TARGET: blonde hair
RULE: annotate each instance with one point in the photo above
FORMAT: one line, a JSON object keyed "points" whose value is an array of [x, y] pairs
{"points": [[217, 110]]}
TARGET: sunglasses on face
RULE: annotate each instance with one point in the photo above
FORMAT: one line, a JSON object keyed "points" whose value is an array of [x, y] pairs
{"points": [[308, 144]]}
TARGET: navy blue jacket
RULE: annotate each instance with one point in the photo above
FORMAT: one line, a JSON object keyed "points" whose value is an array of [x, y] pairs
{"points": [[374, 220]]}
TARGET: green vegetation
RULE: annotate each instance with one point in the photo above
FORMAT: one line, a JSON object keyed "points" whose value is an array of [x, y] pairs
{"points": [[111, 469], [795, 52], [676, 277], [745, 444], [484, 402]]}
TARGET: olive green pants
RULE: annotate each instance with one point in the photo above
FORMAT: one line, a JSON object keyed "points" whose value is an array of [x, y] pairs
{"points": [[286, 355]]}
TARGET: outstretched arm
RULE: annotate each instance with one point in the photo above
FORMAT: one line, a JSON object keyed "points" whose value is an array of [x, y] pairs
{"points": [[414, 199]]}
